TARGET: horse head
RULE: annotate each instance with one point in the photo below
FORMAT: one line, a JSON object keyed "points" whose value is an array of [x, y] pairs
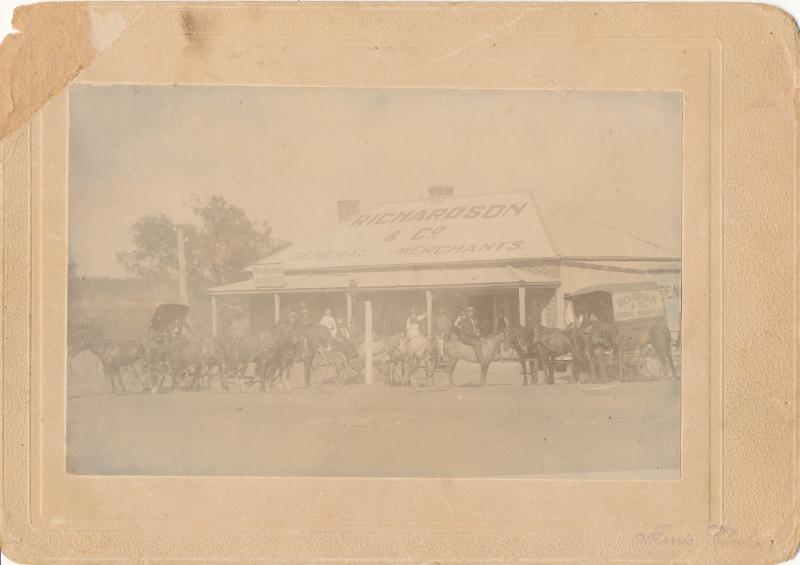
{"points": [[85, 340], [516, 338]]}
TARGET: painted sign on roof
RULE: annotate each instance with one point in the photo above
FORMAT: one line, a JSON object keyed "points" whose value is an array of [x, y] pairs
{"points": [[453, 229]]}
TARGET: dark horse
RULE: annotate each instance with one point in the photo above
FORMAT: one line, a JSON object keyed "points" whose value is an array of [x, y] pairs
{"points": [[631, 337], [622, 338], [186, 357], [599, 345], [545, 343], [518, 338], [237, 355], [282, 347]]}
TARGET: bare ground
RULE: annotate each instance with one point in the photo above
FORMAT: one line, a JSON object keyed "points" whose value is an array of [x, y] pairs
{"points": [[629, 430]]}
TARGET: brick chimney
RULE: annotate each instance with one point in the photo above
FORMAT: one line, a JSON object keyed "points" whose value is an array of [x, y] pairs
{"points": [[347, 209], [439, 191]]}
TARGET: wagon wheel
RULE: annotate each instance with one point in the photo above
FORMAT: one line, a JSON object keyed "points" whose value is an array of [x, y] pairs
{"points": [[134, 377], [340, 368], [347, 370]]}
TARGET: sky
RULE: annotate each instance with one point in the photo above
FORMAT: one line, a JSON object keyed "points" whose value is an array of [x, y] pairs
{"points": [[286, 155]]}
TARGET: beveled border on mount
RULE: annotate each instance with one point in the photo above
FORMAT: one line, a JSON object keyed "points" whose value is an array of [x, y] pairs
{"points": [[741, 246]]}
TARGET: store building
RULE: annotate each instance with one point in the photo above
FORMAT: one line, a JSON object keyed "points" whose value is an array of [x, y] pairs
{"points": [[512, 255]]}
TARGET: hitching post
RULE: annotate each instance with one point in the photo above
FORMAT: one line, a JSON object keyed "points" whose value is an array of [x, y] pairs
{"points": [[277, 307], [368, 342], [429, 311], [523, 316], [182, 286], [214, 321], [349, 298]]}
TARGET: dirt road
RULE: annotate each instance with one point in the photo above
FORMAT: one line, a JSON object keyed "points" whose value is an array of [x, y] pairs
{"points": [[630, 430]]}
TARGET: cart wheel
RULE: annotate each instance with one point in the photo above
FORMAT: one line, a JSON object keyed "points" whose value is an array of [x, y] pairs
{"points": [[134, 377], [340, 368], [352, 369]]}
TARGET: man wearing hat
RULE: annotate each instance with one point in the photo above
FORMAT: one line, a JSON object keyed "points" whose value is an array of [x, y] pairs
{"points": [[467, 328]]}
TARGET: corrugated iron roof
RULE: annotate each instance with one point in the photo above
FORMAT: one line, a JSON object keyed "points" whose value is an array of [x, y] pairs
{"points": [[643, 267], [465, 228], [398, 279]]}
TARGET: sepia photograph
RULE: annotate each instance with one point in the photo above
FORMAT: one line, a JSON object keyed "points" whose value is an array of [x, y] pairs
{"points": [[374, 282], [399, 282]]}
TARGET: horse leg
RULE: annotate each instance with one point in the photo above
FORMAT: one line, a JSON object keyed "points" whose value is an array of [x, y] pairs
{"points": [[307, 361], [524, 363], [549, 370], [534, 369], [484, 371], [412, 377], [430, 366], [620, 361], [450, 371], [223, 376], [264, 375], [285, 368]]}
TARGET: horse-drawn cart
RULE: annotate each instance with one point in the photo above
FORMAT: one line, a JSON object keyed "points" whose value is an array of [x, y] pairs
{"points": [[170, 351], [338, 362], [629, 319]]}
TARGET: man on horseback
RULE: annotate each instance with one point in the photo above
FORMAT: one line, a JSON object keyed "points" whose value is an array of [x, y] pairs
{"points": [[468, 331]]}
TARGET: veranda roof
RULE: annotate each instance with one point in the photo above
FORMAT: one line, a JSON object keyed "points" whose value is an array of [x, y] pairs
{"points": [[400, 279]]}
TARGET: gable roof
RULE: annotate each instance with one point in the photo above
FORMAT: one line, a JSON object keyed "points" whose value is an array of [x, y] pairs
{"points": [[466, 228]]}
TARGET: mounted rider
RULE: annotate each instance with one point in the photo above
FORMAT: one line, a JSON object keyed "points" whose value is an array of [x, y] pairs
{"points": [[468, 331]]}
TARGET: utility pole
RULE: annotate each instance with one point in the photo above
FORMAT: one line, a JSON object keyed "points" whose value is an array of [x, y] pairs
{"points": [[182, 284]]}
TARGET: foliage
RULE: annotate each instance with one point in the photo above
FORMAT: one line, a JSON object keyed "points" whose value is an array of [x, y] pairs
{"points": [[219, 246]]}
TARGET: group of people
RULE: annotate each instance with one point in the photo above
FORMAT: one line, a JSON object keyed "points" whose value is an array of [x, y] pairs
{"points": [[466, 328]]}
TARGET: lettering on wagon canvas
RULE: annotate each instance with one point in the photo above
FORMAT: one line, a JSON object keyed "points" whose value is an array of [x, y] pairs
{"points": [[374, 282]]}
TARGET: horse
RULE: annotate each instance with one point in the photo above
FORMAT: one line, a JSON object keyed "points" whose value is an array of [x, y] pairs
{"points": [[387, 354], [237, 355], [186, 356], [544, 344], [114, 357], [599, 340], [518, 338], [283, 346], [631, 337], [457, 350], [420, 350]]}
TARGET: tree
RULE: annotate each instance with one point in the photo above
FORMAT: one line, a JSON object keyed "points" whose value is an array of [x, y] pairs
{"points": [[218, 247], [154, 254]]}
